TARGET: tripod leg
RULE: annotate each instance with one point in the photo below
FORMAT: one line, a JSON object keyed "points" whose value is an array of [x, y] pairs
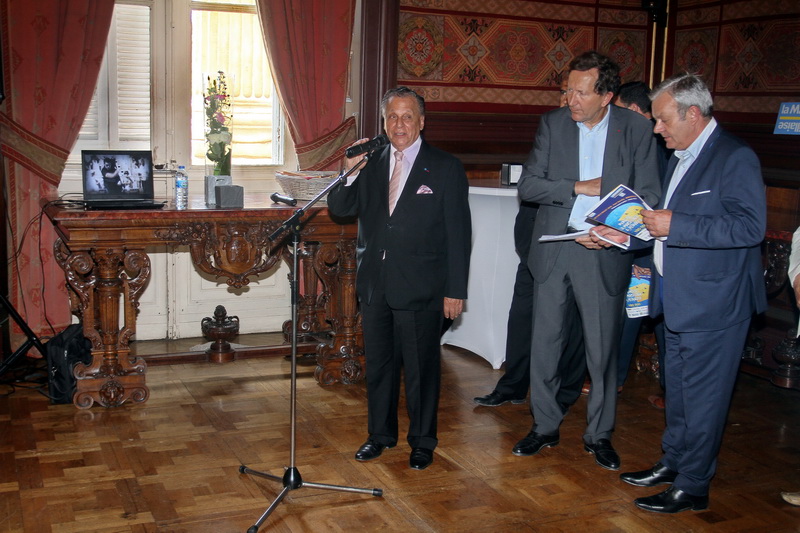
{"points": [[263, 517], [372, 492], [244, 470], [33, 340]]}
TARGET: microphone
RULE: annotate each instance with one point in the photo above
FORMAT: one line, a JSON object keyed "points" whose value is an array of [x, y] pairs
{"points": [[279, 198], [377, 142]]}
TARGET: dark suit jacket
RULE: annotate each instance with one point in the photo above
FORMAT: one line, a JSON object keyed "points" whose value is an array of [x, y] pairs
{"points": [[423, 249], [712, 258], [549, 176]]}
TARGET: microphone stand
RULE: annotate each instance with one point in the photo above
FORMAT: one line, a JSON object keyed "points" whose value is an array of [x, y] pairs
{"points": [[291, 479]]}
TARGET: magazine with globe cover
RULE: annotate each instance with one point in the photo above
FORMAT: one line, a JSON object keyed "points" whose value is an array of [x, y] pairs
{"points": [[622, 209]]}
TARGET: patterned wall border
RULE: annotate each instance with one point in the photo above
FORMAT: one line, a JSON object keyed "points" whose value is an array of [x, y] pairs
{"points": [[455, 55], [693, 17], [748, 104], [508, 8], [759, 8]]}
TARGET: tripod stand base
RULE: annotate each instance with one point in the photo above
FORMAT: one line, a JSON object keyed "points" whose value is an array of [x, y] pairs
{"points": [[292, 480]]}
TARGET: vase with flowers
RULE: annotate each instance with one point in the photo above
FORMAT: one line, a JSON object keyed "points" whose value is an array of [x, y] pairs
{"points": [[217, 101]]}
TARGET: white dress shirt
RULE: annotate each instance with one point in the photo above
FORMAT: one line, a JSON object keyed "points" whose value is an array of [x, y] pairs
{"points": [[687, 158]]}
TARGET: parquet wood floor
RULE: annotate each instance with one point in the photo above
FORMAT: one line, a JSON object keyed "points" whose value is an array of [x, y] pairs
{"points": [[171, 465]]}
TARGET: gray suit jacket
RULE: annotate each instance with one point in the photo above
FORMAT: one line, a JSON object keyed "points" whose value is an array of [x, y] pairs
{"points": [[549, 176]]}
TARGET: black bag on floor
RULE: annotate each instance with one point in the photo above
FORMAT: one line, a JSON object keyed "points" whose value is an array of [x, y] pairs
{"points": [[64, 351]]}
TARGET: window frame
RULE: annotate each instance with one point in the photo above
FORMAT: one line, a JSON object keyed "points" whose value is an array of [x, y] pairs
{"points": [[170, 133]]}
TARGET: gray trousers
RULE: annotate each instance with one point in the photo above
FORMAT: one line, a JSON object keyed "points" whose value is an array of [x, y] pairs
{"points": [[575, 280]]}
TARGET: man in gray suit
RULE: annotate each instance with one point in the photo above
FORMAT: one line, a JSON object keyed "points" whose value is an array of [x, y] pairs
{"points": [[581, 153]]}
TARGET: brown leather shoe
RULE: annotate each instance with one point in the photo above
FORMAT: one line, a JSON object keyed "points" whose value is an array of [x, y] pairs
{"points": [[657, 401], [791, 497], [587, 386]]}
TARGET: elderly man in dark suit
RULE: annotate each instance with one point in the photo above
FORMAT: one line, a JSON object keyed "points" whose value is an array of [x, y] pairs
{"points": [[708, 283], [582, 152], [414, 239]]}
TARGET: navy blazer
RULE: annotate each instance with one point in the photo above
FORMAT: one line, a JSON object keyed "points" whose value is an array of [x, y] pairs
{"points": [[712, 258], [549, 176], [423, 248]]}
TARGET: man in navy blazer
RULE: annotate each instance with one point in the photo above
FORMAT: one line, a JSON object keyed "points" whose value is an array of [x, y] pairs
{"points": [[708, 283], [414, 240], [582, 152]]}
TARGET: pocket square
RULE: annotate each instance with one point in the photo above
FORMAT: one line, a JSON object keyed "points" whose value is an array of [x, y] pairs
{"points": [[424, 189], [698, 193]]}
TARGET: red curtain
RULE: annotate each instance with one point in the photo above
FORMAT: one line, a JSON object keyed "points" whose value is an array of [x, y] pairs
{"points": [[51, 59], [308, 45]]}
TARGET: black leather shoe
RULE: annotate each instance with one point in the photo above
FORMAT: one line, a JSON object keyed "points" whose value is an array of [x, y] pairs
{"points": [[420, 459], [604, 454], [673, 500], [370, 450], [533, 444], [495, 398], [658, 475]]}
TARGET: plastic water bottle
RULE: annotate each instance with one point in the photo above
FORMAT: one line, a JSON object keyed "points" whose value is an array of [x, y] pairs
{"points": [[181, 188]]}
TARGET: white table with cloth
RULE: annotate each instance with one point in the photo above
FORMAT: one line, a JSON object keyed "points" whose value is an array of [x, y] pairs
{"points": [[481, 328]]}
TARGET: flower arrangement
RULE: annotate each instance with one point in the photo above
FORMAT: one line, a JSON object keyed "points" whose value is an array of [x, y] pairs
{"points": [[218, 124]]}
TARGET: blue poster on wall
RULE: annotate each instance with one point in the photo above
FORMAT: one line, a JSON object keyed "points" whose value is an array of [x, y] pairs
{"points": [[788, 122]]}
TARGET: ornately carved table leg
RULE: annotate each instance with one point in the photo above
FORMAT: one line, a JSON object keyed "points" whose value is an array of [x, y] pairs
{"points": [[343, 359], [99, 278]]}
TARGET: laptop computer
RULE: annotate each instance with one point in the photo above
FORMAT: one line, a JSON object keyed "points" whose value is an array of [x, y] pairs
{"points": [[118, 179]]}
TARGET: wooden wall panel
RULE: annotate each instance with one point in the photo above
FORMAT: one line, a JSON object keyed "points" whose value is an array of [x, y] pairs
{"points": [[783, 205]]}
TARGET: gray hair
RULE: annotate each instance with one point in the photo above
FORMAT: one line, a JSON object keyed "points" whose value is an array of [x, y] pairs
{"points": [[688, 90], [402, 92]]}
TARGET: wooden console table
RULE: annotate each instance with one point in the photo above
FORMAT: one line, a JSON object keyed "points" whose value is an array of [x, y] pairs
{"points": [[104, 259]]}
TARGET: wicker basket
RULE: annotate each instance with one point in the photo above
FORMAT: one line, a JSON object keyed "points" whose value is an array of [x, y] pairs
{"points": [[306, 185]]}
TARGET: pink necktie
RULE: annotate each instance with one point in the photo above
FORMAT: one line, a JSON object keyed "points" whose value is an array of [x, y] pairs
{"points": [[394, 181]]}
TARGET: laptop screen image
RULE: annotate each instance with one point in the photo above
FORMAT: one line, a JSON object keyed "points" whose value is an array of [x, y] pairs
{"points": [[117, 177]]}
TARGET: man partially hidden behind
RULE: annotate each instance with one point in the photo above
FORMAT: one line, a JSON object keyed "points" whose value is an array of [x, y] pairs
{"points": [[513, 385], [414, 239], [708, 283], [581, 152], [635, 95]]}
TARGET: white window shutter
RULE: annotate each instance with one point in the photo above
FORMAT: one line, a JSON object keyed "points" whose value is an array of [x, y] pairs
{"points": [[119, 114], [132, 25]]}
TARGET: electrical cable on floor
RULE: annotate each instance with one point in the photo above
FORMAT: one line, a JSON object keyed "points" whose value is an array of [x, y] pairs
{"points": [[30, 374]]}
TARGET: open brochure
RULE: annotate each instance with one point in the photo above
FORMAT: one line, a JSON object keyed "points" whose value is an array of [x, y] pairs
{"points": [[621, 209], [563, 236]]}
